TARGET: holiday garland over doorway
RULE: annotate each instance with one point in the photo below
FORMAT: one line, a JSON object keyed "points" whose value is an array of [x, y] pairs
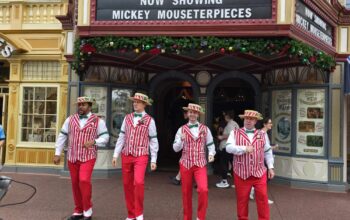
{"points": [[306, 54]]}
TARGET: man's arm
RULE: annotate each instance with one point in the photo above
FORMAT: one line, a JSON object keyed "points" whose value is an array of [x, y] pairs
{"points": [[61, 141], [153, 145]]}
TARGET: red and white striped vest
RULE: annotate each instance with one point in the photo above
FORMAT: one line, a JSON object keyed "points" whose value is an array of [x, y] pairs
{"points": [[250, 164], [193, 152], [77, 137], [136, 138]]}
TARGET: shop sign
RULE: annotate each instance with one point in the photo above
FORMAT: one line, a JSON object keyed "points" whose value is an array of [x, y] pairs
{"points": [[308, 20], [136, 10], [5, 48]]}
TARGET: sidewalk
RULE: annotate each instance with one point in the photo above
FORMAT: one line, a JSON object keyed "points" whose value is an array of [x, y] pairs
{"points": [[53, 200]]}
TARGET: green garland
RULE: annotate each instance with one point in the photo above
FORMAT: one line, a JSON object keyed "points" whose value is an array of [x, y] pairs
{"points": [[307, 55]]}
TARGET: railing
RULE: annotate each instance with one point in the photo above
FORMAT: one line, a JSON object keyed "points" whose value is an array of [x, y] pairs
{"points": [[5, 14], [43, 13], [29, 13]]}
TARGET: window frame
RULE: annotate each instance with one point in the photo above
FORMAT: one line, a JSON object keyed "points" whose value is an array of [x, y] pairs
{"points": [[30, 144]]}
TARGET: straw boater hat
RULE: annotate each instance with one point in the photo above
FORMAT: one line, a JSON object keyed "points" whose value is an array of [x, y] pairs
{"points": [[84, 99], [251, 114], [141, 97], [194, 107]]}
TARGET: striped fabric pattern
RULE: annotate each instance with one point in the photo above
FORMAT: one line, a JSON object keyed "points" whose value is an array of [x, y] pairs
{"points": [[193, 152], [250, 164], [77, 137], [136, 137]]}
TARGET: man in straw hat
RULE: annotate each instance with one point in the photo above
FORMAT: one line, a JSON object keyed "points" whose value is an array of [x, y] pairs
{"points": [[193, 138], [137, 137], [84, 131], [250, 147]]}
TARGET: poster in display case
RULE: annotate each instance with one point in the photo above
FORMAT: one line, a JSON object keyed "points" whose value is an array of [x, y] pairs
{"points": [[100, 96], [281, 119], [311, 122], [121, 106]]}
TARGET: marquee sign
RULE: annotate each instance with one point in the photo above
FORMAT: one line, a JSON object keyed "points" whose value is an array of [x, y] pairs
{"points": [[172, 10], [311, 22], [6, 49]]}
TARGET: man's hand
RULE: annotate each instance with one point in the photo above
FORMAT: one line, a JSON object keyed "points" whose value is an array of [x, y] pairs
{"points": [[271, 173], [210, 158], [114, 161], [183, 137], [249, 149], [153, 166], [89, 144], [57, 160], [220, 137]]}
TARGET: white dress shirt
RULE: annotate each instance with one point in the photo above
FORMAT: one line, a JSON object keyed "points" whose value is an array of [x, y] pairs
{"points": [[102, 133], [232, 148], [152, 133], [178, 143]]}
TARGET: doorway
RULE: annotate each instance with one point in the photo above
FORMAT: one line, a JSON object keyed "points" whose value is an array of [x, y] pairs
{"points": [[171, 95]]}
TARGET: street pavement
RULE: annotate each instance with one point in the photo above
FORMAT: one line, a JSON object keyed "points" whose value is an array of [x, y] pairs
{"points": [[53, 200]]}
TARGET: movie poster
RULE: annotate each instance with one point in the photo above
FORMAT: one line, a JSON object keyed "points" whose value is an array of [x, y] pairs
{"points": [[310, 122], [281, 119]]}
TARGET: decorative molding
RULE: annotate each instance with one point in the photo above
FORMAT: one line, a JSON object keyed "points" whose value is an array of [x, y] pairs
{"points": [[67, 20]]}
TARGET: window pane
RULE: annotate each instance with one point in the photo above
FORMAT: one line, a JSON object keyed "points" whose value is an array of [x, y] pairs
{"points": [[28, 93], [27, 107], [27, 135], [27, 121], [39, 107], [51, 94], [50, 135], [50, 122], [51, 107], [40, 93]]}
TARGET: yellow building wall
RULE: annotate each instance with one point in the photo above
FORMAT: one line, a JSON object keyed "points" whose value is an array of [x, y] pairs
{"points": [[38, 36]]}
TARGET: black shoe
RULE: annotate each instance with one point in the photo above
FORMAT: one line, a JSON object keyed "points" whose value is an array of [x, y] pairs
{"points": [[76, 217], [175, 181], [88, 218]]}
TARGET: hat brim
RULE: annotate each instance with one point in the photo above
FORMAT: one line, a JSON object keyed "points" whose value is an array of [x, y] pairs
{"points": [[187, 109], [134, 99], [246, 116]]}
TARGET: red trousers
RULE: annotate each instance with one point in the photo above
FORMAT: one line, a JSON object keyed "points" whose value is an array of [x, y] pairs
{"points": [[80, 173], [243, 188], [201, 178], [133, 171]]}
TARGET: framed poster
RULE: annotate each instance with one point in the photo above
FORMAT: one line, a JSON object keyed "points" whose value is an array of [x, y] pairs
{"points": [[100, 96], [310, 122], [281, 119]]}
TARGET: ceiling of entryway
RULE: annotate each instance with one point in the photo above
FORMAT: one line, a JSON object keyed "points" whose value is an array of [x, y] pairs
{"points": [[193, 61]]}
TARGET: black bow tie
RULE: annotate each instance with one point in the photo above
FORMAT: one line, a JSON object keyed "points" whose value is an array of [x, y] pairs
{"points": [[83, 116], [193, 126], [138, 115]]}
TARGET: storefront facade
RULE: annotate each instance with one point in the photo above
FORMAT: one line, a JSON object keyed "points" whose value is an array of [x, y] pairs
{"points": [[275, 56], [34, 78]]}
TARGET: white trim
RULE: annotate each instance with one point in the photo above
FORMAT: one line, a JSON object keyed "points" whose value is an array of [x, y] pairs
{"points": [[283, 11], [343, 39], [85, 12], [69, 43]]}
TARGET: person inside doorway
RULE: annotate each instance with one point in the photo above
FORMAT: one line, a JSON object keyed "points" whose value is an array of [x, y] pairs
{"points": [[226, 158]]}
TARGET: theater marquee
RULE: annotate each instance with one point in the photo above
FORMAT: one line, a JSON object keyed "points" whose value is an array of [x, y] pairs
{"points": [[141, 10]]}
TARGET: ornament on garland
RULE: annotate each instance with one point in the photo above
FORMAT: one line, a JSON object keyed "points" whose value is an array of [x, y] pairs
{"points": [[137, 50], [312, 59], [222, 50]]}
